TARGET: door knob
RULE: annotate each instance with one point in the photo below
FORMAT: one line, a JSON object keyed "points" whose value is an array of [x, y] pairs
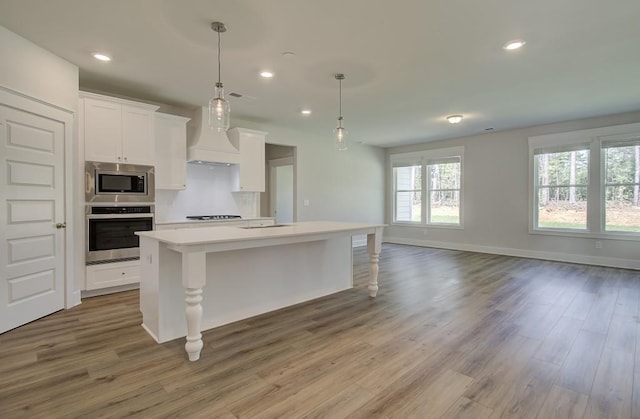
{"points": [[61, 225]]}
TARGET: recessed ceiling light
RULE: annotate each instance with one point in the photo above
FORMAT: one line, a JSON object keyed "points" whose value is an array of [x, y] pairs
{"points": [[101, 57], [266, 74], [454, 119], [306, 111], [515, 44]]}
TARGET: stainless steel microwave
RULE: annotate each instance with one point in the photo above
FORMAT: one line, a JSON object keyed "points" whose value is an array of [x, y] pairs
{"points": [[116, 182]]}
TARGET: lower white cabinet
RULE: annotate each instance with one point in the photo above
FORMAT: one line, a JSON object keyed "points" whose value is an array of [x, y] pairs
{"points": [[106, 275]]}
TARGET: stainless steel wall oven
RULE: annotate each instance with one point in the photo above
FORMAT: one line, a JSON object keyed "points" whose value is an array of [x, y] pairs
{"points": [[110, 232]]}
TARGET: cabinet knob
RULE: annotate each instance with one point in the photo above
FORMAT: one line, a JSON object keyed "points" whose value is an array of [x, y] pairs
{"points": [[119, 158], [125, 159]]}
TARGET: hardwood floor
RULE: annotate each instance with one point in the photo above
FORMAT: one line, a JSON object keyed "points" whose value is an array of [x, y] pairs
{"points": [[451, 334]]}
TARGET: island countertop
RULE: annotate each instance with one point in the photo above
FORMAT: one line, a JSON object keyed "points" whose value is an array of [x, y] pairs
{"points": [[209, 235]]}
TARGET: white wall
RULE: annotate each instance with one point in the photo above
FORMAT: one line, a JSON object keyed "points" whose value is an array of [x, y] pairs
{"points": [[496, 201], [340, 186], [28, 69]]}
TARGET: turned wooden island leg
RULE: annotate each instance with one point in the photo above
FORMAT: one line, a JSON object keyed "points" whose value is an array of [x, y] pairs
{"points": [[193, 314], [374, 245], [193, 280]]}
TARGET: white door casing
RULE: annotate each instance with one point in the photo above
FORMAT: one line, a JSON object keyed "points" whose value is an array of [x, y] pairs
{"points": [[281, 189], [32, 203]]}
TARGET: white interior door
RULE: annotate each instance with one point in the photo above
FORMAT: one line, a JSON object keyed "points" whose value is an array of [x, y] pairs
{"points": [[32, 182]]}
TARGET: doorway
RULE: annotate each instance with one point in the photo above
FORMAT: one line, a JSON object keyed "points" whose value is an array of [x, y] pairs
{"points": [[280, 194]]}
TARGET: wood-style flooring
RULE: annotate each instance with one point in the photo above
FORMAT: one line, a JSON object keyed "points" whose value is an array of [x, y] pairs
{"points": [[450, 335]]}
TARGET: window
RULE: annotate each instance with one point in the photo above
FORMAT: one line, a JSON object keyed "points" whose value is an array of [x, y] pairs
{"points": [[408, 191], [561, 183], [621, 160], [427, 187], [587, 182]]}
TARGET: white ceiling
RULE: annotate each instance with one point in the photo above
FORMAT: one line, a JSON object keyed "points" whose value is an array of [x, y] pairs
{"points": [[408, 63]]}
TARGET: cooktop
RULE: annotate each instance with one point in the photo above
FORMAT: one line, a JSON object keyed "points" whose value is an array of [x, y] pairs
{"points": [[213, 217]]}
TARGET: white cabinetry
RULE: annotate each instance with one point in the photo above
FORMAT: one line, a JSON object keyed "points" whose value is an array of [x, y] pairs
{"points": [[116, 130], [250, 171], [171, 151], [112, 274]]}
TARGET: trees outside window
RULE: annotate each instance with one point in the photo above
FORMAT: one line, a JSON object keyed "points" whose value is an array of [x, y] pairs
{"points": [[427, 187], [561, 188], [587, 182], [621, 186]]}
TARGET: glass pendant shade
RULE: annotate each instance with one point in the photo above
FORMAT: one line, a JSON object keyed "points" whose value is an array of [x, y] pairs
{"points": [[219, 110], [340, 133], [341, 136]]}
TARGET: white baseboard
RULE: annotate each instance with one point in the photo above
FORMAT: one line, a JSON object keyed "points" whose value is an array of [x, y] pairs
{"points": [[532, 254], [74, 299], [110, 290]]}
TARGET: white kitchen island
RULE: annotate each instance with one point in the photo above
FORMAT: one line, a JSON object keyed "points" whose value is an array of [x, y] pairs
{"points": [[217, 275]]}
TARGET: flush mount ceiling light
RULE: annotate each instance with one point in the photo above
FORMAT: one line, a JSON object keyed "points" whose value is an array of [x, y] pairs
{"points": [[219, 108], [341, 133], [514, 44], [266, 74], [306, 111], [454, 119], [101, 57]]}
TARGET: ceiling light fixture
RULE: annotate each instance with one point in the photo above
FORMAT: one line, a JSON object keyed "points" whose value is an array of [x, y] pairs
{"points": [[219, 108], [515, 44], [101, 57], [266, 74], [341, 133], [454, 119], [306, 111]]}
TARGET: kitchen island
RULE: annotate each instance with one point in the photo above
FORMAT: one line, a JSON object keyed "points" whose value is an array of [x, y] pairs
{"points": [[247, 271]]}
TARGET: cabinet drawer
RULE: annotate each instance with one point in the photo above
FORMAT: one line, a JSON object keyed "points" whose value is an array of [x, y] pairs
{"points": [[113, 274]]}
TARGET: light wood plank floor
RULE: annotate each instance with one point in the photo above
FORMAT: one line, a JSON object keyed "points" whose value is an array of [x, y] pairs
{"points": [[451, 335]]}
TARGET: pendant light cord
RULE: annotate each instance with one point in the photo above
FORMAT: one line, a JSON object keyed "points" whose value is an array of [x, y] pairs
{"points": [[340, 80], [219, 71]]}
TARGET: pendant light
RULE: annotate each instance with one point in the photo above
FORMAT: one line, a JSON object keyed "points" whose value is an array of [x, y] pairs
{"points": [[341, 133], [219, 107]]}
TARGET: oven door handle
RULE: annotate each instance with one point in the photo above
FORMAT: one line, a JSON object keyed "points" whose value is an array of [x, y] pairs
{"points": [[107, 216]]}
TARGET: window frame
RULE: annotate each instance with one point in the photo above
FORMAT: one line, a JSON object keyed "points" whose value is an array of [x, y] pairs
{"points": [[596, 198], [424, 159]]}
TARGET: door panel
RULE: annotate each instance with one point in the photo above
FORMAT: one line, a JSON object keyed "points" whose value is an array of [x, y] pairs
{"points": [[31, 203]]}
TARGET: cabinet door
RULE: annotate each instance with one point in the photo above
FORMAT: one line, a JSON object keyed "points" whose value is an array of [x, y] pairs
{"points": [[137, 135], [171, 151], [102, 131], [251, 163]]}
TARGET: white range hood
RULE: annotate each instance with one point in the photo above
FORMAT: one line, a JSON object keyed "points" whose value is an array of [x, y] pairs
{"points": [[207, 145]]}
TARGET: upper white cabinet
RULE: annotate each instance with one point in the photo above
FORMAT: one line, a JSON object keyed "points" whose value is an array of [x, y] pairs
{"points": [[116, 130], [171, 151], [250, 171]]}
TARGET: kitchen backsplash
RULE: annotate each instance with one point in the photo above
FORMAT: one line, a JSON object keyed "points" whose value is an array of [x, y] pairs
{"points": [[208, 192]]}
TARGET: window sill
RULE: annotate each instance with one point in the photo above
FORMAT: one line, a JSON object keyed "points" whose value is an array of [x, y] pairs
{"points": [[421, 225], [586, 235]]}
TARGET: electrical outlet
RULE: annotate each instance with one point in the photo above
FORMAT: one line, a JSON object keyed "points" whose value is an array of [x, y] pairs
{"points": [[306, 203], [598, 244]]}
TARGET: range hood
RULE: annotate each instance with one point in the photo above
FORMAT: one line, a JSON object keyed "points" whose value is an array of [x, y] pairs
{"points": [[207, 145]]}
